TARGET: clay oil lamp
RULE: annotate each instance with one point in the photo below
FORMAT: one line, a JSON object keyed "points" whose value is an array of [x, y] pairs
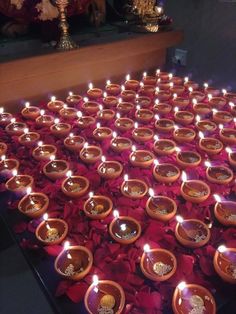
{"points": [[104, 296], [51, 231], [112, 89], [97, 206], [199, 96], [74, 262], [105, 114], [73, 99], [190, 84], [157, 264], [194, 191], [7, 166], [183, 117], [182, 135], [15, 128], [123, 124], [230, 96], [102, 133], [148, 79], [192, 233], [109, 169], [127, 95], [176, 89], [201, 108], [164, 125], [90, 154], [33, 204], [68, 113], [147, 90], [74, 186], [192, 298], [164, 147], [55, 105], [143, 101], [165, 173], [177, 80], [160, 207], [3, 148], [225, 263], [30, 112], [131, 84], [55, 169], [210, 90], [44, 120], [28, 138], [84, 122], [5, 117], [187, 159], [120, 144], [163, 95], [89, 106], [225, 211], [60, 129], [161, 107], [44, 151], [164, 76], [231, 156], [143, 115], [163, 85], [133, 188], [217, 102], [142, 134], [19, 183], [109, 101], [210, 145], [141, 158], [222, 116], [124, 107], [94, 93], [180, 102], [218, 174], [231, 106], [205, 125], [74, 142], [124, 229]]}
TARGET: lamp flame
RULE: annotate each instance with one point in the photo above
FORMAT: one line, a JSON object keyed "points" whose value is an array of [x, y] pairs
{"points": [[103, 158], [27, 104], [42, 112], [95, 280], [228, 150], [91, 194], [28, 190], [146, 248], [157, 101], [151, 192], [182, 285], [217, 198], [201, 135], [114, 134], [207, 164], [180, 219], [222, 248], [184, 176], [108, 82], [126, 177], [14, 172], [66, 245], [45, 217], [53, 98], [194, 101], [69, 173], [127, 77], [90, 85], [116, 214]]}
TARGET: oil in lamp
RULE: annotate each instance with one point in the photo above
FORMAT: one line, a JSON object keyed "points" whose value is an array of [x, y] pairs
{"points": [[19, 183], [131, 84], [97, 206], [133, 188], [28, 138], [231, 156], [68, 113], [218, 174], [7, 166], [225, 211], [102, 133], [15, 128], [112, 89], [74, 186], [166, 172], [142, 134], [60, 129], [210, 145], [90, 154], [141, 158], [93, 92], [225, 263], [109, 169], [44, 120], [119, 144], [55, 169], [73, 99], [5, 117], [30, 112], [55, 105], [44, 151]]}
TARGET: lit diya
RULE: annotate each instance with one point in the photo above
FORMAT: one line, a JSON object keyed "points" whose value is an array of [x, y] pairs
{"points": [[128, 95], [165, 173], [106, 114], [225, 263], [97, 206], [230, 96], [33, 204], [5, 117], [163, 95], [199, 96], [148, 79], [143, 115], [30, 112], [183, 117], [231, 156], [225, 211], [205, 125], [124, 229], [51, 231], [120, 144], [217, 102], [184, 135], [177, 89], [15, 128], [133, 188], [55, 105], [191, 84], [201, 108], [84, 122], [7, 166], [109, 169], [211, 90], [158, 264], [19, 183], [192, 233], [94, 92], [232, 108], [164, 146], [102, 133], [143, 101], [73, 99], [74, 186], [177, 80], [3, 148], [28, 138], [147, 90], [163, 85], [90, 154], [227, 135], [60, 129], [188, 159], [104, 296], [109, 101], [74, 142], [44, 151], [192, 299], [164, 76], [44, 120], [161, 108], [218, 174], [141, 158], [112, 89], [160, 207], [125, 107], [180, 102], [124, 124], [142, 134], [90, 107], [68, 113], [222, 116], [55, 169], [195, 191], [210, 145], [131, 84], [74, 262], [164, 125]]}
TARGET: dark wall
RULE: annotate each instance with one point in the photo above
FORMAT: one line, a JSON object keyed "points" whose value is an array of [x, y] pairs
{"points": [[210, 38]]}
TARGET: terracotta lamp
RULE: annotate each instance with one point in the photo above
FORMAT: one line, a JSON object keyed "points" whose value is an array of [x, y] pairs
{"points": [[201, 108], [182, 135], [143, 115], [74, 186], [192, 298], [183, 117], [191, 84], [217, 102], [147, 90], [228, 136], [225, 211], [177, 89], [93, 92], [15, 128], [3, 148], [188, 159], [102, 133], [206, 125], [44, 120], [218, 174], [109, 169], [56, 169], [119, 144], [128, 95], [210, 145], [158, 264], [141, 158], [68, 113], [104, 296], [180, 102], [133, 188], [163, 95], [142, 134], [112, 89], [124, 229], [211, 90], [231, 156], [124, 124], [74, 262], [90, 154], [18, 184], [97, 206], [199, 96], [51, 231], [60, 129], [30, 112], [225, 263], [149, 80], [73, 99], [162, 108], [106, 114], [165, 173], [29, 139], [164, 125], [7, 166], [90, 107], [74, 142], [164, 146], [125, 107], [131, 84], [5, 117], [143, 101], [84, 122], [55, 105], [44, 151], [109, 101], [222, 117]]}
